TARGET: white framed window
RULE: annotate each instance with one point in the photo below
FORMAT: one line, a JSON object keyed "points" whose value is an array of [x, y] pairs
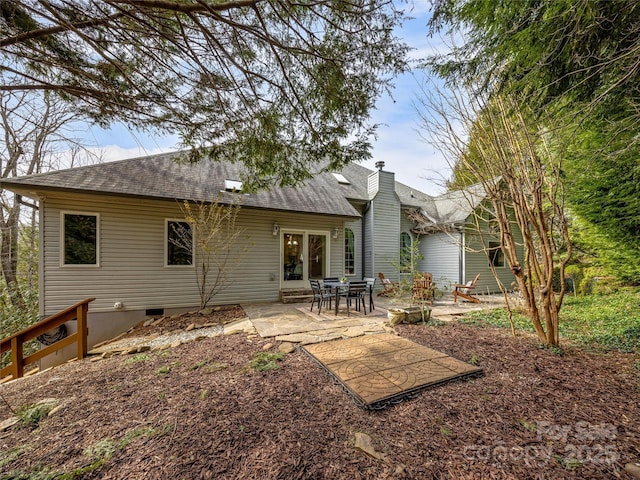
{"points": [[179, 243], [406, 260], [349, 252], [80, 239]]}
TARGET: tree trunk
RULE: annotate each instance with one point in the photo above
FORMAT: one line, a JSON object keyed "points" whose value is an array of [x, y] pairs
{"points": [[9, 254]]}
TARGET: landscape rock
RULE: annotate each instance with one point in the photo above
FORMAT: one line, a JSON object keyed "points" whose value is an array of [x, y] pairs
{"points": [[267, 346], [190, 327], [55, 410], [8, 423], [363, 443], [633, 469], [239, 326], [287, 347]]}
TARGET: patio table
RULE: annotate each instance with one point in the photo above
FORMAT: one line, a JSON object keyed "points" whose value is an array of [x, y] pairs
{"points": [[336, 287]]}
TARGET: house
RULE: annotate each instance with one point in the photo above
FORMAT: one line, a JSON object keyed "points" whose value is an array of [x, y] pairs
{"points": [[455, 233], [105, 232]]}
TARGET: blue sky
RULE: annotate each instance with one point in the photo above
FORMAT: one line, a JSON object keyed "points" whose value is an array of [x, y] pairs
{"points": [[398, 143]]}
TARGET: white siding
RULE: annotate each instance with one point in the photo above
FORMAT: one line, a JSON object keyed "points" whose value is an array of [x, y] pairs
{"points": [[368, 229], [441, 254], [385, 209], [478, 262], [132, 249]]}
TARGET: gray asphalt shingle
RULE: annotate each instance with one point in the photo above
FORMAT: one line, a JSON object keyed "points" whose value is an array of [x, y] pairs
{"points": [[162, 177]]}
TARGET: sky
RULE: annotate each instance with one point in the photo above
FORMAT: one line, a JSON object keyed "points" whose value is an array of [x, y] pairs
{"points": [[398, 143]]}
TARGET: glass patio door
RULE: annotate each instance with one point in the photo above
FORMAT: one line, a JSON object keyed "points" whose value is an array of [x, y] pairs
{"points": [[304, 256], [317, 256]]}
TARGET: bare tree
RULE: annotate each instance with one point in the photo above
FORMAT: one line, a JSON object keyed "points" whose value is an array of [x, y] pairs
{"points": [[35, 130], [213, 239], [276, 83], [520, 169]]}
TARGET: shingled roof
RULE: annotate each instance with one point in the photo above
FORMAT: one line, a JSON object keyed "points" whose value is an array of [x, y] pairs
{"points": [[452, 208], [162, 177]]}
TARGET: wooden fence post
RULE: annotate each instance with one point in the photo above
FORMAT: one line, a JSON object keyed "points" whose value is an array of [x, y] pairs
{"points": [[16, 357], [83, 331], [15, 342]]}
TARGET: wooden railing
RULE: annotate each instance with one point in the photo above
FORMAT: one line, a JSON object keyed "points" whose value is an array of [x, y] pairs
{"points": [[15, 342]]}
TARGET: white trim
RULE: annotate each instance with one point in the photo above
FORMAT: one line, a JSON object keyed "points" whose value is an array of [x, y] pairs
{"points": [[165, 241], [463, 255], [344, 252], [411, 259], [63, 246], [41, 293], [305, 247]]}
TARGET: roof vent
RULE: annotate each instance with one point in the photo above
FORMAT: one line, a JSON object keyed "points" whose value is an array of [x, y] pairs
{"points": [[380, 165]]}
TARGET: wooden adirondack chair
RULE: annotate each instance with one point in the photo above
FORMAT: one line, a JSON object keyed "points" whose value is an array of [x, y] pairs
{"points": [[389, 287], [423, 289], [466, 291]]}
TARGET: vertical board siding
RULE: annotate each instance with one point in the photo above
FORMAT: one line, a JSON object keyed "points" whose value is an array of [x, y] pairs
{"points": [[132, 256]]}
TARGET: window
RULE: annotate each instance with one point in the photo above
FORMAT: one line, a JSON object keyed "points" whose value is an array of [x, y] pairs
{"points": [[80, 239], [179, 243], [349, 252], [406, 262], [496, 255]]}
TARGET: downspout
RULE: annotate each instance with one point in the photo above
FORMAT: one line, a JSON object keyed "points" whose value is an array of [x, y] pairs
{"points": [[41, 292], [366, 209], [463, 259]]}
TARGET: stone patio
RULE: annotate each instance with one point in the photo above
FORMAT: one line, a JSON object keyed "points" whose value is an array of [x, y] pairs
{"points": [[294, 324]]}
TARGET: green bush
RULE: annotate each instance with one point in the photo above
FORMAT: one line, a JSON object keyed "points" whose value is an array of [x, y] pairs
{"points": [[264, 361], [32, 415], [609, 322], [596, 281], [13, 320], [575, 272]]}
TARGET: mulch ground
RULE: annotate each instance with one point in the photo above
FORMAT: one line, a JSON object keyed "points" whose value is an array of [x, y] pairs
{"points": [[200, 411]]}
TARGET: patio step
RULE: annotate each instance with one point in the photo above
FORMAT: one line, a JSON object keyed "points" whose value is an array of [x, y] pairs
{"points": [[296, 295]]}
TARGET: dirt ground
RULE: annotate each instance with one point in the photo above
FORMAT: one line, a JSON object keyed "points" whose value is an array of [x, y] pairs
{"points": [[200, 411]]}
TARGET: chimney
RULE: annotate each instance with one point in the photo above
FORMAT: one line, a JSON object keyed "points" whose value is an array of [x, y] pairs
{"points": [[380, 180]]}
